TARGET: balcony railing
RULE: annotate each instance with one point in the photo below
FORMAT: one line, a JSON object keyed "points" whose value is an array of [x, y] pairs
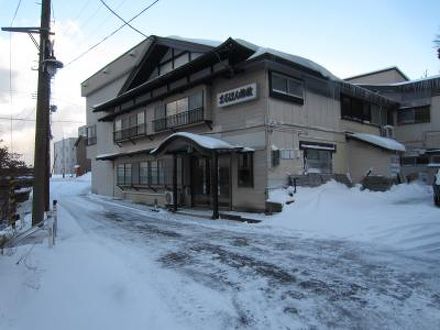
{"points": [[127, 133], [180, 119]]}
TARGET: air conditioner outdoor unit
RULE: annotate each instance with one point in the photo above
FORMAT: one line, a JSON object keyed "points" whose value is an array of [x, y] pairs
{"points": [[388, 131], [169, 198]]}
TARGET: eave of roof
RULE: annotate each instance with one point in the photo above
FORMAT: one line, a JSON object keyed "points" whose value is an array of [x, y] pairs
{"points": [[112, 156]]}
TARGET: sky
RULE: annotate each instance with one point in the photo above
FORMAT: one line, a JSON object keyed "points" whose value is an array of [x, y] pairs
{"points": [[346, 37]]}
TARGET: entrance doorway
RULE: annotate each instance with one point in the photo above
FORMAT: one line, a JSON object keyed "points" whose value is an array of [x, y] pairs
{"points": [[201, 181]]}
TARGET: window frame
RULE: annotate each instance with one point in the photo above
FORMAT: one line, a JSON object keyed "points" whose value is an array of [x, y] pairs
{"points": [[91, 138], [415, 112], [129, 126], [276, 93], [242, 183]]}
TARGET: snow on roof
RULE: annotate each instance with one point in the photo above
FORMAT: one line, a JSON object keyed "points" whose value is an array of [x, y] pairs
{"points": [[206, 42], [259, 51], [108, 156], [380, 141], [206, 142], [404, 83]]}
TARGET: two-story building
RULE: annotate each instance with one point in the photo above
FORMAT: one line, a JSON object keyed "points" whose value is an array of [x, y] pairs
{"points": [[199, 123], [416, 120]]}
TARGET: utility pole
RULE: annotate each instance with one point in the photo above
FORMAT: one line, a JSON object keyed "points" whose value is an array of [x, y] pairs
{"points": [[41, 176], [47, 66]]}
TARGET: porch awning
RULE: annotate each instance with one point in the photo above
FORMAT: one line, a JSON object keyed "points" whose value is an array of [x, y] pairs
{"points": [[203, 143], [378, 141]]}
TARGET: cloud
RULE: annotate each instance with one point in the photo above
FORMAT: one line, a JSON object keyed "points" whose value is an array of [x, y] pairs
{"points": [[4, 83]]}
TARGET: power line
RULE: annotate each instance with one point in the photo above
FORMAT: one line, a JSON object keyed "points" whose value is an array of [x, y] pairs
{"points": [[53, 121], [111, 34], [123, 20], [10, 68]]}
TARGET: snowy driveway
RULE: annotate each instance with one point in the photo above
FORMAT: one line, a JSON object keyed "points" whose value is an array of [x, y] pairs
{"points": [[231, 275]]}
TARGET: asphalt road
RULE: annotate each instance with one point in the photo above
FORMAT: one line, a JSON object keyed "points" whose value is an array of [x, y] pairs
{"points": [[272, 278]]}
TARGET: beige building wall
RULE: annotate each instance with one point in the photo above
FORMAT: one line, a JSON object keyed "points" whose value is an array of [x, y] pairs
{"points": [[363, 157], [423, 135], [317, 120]]}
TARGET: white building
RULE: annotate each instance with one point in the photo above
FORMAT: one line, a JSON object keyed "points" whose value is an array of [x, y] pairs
{"points": [[64, 156]]}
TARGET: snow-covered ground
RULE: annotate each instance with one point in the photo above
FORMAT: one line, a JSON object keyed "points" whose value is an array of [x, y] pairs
{"points": [[403, 218], [335, 258]]}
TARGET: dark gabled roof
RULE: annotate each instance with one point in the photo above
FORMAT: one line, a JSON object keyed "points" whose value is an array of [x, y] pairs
{"points": [[157, 49], [391, 68], [212, 56]]}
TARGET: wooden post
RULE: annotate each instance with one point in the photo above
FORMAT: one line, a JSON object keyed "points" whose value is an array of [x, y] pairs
{"points": [[214, 185], [174, 182]]}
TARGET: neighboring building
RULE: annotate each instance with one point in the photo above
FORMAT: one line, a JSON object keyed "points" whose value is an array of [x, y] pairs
{"points": [[83, 164], [204, 123], [64, 156], [416, 121]]}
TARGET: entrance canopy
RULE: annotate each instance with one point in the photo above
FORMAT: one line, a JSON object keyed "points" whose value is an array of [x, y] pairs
{"points": [[183, 142]]}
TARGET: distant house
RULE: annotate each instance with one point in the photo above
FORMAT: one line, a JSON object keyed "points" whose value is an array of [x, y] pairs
{"points": [[199, 123], [83, 164], [64, 156], [416, 120]]}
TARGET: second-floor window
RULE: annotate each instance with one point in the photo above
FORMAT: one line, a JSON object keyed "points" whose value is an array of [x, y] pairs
{"points": [[187, 110], [129, 126], [287, 88], [416, 115], [91, 135]]}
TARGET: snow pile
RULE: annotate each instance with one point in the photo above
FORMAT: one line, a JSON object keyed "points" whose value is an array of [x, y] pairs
{"points": [[403, 218], [379, 141]]}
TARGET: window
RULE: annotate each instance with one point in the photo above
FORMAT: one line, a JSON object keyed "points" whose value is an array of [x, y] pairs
{"points": [[153, 173], [140, 123], [318, 161], [195, 101], [286, 153], [413, 115], [160, 172], [286, 88], [135, 173], [245, 170], [414, 160], [358, 110], [186, 110], [129, 126], [91, 135], [127, 175], [120, 175], [144, 173], [435, 159], [275, 157]]}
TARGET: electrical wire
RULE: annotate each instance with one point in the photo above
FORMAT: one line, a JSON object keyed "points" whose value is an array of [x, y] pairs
{"points": [[112, 33], [54, 121], [123, 20], [17, 8]]}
